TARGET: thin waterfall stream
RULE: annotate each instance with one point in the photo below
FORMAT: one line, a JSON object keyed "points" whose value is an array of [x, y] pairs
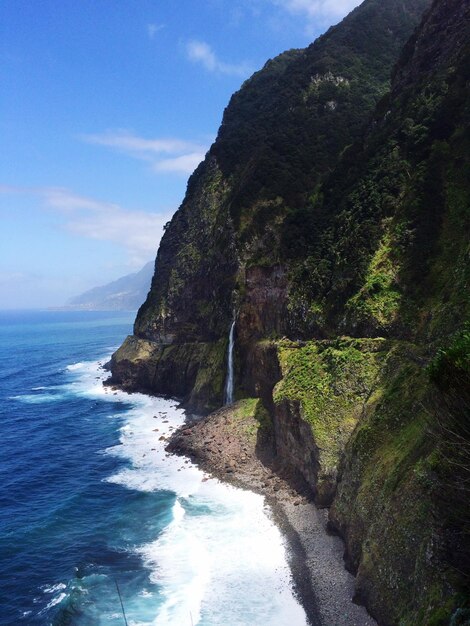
{"points": [[229, 381]]}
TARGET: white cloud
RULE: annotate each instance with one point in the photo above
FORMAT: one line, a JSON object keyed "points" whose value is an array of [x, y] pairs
{"points": [[318, 8], [181, 156], [185, 163], [138, 232], [201, 52], [152, 29], [64, 200], [128, 142]]}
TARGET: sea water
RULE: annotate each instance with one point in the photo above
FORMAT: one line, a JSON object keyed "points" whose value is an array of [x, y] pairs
{"points": [[90, 502]]}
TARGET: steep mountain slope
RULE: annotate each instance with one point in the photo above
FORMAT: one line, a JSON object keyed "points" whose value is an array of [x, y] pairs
{"points": [[350, 288], [123, 294], [227, 249], [280, 133], [386, 231]]}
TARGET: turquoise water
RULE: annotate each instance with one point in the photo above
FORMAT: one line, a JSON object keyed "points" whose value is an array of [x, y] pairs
{"points": [[89, 497]]}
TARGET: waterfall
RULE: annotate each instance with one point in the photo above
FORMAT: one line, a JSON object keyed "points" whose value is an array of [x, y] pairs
{"points": [[229, 381]]}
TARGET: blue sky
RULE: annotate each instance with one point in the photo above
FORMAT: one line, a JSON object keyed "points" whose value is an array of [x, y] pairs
{"points": [[106, 107]]}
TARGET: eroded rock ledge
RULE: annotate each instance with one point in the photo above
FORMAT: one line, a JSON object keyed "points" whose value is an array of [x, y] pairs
{"points": [[190, 371]]}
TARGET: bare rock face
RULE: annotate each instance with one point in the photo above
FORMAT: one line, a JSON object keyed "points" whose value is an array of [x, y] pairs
{"points": [[296, 447], [263, 311], [134, 362]]}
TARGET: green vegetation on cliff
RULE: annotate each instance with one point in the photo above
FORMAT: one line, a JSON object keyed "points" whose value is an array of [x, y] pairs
{"points": [[332, 217], [190, 295], [245, 204], [450, 375], [388, 247], [251, 416], [286, 127], [402, 499], [332, 381]]}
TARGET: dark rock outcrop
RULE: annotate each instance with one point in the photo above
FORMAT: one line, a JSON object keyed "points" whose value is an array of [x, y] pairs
{"points": [[193, 372]]}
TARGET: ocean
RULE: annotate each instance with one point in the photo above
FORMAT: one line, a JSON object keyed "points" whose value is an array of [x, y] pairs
{"points": [[91, 505]]}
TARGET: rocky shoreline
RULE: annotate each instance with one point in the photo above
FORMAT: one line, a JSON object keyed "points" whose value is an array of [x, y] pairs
{"points": [[234, 445]]}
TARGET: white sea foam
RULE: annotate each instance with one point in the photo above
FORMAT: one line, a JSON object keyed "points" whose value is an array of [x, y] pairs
{"points": [[86, 380], [56, 600], [54, 588], [37, 398], [43, 388], [221, 560], [51, 393], [224, 566], [74, 366]]}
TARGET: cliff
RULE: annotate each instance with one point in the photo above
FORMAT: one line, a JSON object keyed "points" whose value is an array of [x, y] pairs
{"points": [[236, 240], [331, 218]]}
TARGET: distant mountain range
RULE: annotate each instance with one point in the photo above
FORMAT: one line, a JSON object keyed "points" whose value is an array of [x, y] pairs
{"points": [[124, 294]]}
